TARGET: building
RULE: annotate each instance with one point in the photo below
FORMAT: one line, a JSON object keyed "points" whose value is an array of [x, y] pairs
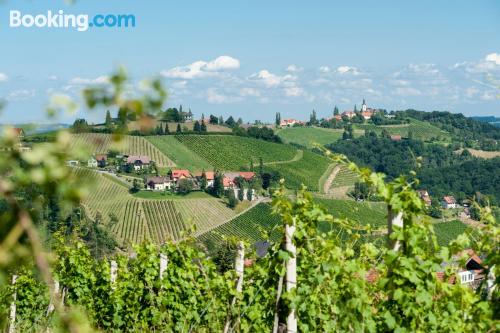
{"points": [[290, 122], [470, 273], [210, 176], [449, 202], [138, 162], [72, 163], [424, 195], [19, 132], [158, 183], [349, 114], [92, 162], [101, 160], [176, 174], [396, 137]]}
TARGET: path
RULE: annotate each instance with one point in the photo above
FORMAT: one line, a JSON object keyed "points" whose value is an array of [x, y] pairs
{"points": [[329, 180], [298, 156]]}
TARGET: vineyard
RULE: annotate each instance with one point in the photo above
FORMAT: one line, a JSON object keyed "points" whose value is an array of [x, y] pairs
{"points": [[135, 220], [179, 153], [448, 231], [362, 213], [420, 130], [99, 143], [308, 136], [307, 171], [227, 153], [249, 226], [345, 177]]}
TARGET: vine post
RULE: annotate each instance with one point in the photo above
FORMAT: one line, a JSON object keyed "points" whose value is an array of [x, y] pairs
{"points": [[394, 219], [291, 273], [12, 317], [56, 293], [239, 267], [163, 264], [113, 268]]}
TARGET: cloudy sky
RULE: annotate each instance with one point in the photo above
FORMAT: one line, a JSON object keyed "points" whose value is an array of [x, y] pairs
{"points": [[255, 58]]}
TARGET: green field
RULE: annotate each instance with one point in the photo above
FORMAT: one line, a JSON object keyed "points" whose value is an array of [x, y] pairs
{"points": [[308, 136], [248, 226], [421, 130], [448, 231], [158, 195], [182, 156], [228, 153], [373, 213], [308, 171]]}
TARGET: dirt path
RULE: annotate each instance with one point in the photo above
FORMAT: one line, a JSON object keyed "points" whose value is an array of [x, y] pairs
{"points": [[298, 156], [330, 179]]}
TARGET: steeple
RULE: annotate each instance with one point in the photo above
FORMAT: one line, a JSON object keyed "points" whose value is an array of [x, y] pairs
{"points": [[363, 106]]}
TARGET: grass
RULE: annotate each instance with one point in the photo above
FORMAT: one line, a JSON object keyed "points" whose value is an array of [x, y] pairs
{"points": [[183, 157], [157, 195], [308, 171], [420, 129], [308, 136], [373, 213], [231, 153]]}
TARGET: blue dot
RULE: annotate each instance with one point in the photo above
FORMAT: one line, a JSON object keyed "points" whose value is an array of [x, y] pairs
{"points": [[91, 24]]}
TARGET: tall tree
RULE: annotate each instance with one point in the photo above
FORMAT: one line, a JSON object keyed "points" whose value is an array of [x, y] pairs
{"points": [[261, 166], [196, 126], [336, 111], [179, 129], [312, 119], [203, 127], [109, 121], [278, 119], [167, 130], [221, 120]]}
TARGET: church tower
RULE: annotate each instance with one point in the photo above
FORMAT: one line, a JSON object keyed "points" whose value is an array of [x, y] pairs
{"points": [[363, 107]]}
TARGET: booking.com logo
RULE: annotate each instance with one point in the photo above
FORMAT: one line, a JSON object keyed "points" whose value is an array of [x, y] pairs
{"points": [[80, 22]]}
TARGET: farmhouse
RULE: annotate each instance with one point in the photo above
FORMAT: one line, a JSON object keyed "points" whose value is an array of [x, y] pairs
{"points": [[209, 175], [424, 195], [138, 162], [448, 202], [177, 174], [349, 114], [396, 137], [92, 162], [290, 122], [19, 132], [367, 112], [470, 273], [158, 183]]}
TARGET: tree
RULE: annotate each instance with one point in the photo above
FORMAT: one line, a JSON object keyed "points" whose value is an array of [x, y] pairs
{"points": [[312, 119], [335, 111], [261, 166], [136, 187], [251, 165], [231, 199], [435, 210], [80, 126], [240, 121], [475, 212], [167, 129], [196, 126], [355, 108], [213, 120], [203, 127], [361, 190], [278, 119], [185, 186], [218, 188], [203, 182], [178, 130], [241, 194], [221, 120], [109, 120], [230, 121], [250, 194]]}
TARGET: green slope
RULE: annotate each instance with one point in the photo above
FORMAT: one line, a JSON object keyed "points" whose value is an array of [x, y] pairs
{"points": [[308, 136]]}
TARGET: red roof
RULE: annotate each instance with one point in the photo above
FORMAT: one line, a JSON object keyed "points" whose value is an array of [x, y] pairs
{"points": [[227, 182], [247, 174], [19, 131], [449, 199], [134, 158], [396, 137], [181, 173], [101, 157], [209, 174]]}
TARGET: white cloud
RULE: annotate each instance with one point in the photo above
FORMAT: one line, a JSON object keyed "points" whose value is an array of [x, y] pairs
{"points": [[84, 81], [249, 92], [21, 95], [493, 57], [347, 69], [294, 69], [214, 97], [201, 68], [272, 80], [471, 92], [407, 91], [3, 77], [294, 91], [488, 96], [52, 78], [324, 69]]}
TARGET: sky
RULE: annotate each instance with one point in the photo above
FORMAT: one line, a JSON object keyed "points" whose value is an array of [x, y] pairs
{"points": [[252, 59]]}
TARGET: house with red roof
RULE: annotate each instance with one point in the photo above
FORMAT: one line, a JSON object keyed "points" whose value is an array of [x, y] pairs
{"points": [[290, 122], [424, 195], [176, 174], [449, 202], [209, 175], [138, 162]]}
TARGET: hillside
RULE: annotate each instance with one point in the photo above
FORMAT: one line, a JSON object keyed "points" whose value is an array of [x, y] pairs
{"points": [[421, 130], [225, 152], [134, 220], [308, 136], [97, 143]]}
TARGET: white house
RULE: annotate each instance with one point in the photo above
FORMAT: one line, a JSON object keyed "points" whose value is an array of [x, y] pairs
{"points": [[138, 162], [449, 202], [92, 162], [159, 183]]}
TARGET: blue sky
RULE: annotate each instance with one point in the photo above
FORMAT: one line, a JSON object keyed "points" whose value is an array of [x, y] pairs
{"points": [[252, 59]]}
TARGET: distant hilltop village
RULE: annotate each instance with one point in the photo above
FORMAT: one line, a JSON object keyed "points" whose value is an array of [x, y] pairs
{"points": [[365, 113]]}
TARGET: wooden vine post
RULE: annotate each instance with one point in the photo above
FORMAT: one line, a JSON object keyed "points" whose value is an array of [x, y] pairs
{"points": [[56, 294], [394, 219], [239, 267], [12, 317], [291, 274], [113, 270], [163, 264]]}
